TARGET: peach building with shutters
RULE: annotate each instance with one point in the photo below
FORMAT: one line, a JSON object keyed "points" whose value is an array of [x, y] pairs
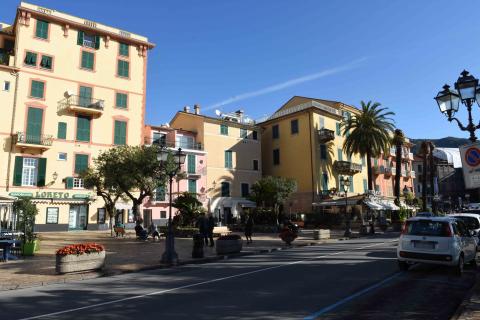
{"points": [[70, 88]]}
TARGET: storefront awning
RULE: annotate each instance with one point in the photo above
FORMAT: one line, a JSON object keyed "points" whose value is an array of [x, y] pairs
{"points": [[373, 205], [247, 204], [389, 205], [339, 202]]}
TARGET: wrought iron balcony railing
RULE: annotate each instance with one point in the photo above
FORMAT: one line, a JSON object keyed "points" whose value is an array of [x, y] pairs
{"points": [[325, 135], [96, 105], [174, 144], [347, 167], [40, 140], [4, 58]]}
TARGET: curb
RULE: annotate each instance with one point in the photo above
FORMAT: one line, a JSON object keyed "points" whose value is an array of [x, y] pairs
{"points": [[459, 313], [101, 274]]}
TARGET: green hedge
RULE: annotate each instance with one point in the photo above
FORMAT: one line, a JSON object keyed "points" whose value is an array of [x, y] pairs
{"points": [[181, 232]]}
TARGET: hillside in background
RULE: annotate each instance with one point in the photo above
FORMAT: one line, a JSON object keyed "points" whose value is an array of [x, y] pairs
{"points": [[448, 142]]}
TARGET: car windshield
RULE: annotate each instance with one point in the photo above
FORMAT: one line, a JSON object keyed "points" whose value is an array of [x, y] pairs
{"points": [[427, 228], [471, 222]]}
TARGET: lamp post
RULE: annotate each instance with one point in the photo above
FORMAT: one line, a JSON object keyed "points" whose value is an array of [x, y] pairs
{"points": [[170, 256], [466, 91], [345, 184]]}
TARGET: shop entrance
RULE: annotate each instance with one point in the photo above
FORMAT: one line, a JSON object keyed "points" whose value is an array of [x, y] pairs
{"points": [[78, 217]]}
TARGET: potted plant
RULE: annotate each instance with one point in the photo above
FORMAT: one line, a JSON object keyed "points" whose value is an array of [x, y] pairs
{"points": [[26, 212], [80, 257], [400, 219], [231, 243]]}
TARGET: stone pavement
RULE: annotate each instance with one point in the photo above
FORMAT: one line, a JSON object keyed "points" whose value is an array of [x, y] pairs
{"points": [[470, 308], [123, 255]]}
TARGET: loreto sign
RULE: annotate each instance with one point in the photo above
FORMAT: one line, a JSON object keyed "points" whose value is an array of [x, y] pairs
{"points": [[49, 195], [470, 155]]}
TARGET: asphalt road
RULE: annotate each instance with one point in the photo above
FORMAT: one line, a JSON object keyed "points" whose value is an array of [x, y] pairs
{"points": [[355, 279]]}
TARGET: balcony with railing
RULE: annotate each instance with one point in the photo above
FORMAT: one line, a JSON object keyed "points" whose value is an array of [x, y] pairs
{"points": [[411, 174], [347, 167], [377, 169], [325, 135], [388, 171], [6, 59], [82, 104], [23, 140], [174, 144]]}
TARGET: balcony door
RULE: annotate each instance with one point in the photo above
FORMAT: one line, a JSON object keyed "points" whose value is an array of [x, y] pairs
{"points": [[34, 125], [85, 96]]}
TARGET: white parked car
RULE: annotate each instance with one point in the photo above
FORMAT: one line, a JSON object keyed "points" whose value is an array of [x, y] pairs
{"points": [[471, 220], [436, 240]]}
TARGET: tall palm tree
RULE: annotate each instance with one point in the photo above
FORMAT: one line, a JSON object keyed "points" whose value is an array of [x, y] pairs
{"points": [[369, 133], [398, 140]]}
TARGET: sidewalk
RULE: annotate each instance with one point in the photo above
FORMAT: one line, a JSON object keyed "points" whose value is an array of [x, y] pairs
{"points": [[470, 308], [123, 255]]}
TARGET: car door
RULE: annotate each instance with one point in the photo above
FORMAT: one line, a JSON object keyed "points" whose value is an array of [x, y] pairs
{"points": [[468, 242]]}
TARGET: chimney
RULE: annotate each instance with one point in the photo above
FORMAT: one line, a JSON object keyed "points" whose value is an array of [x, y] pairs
{"points": [[186, 109], [196, 107]]}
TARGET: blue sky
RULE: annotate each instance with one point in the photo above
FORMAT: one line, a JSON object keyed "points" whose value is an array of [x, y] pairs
{"points": [[256, 55]]}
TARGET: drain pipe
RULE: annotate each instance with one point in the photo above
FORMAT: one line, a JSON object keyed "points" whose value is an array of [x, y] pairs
{"points": [[12, 127]]}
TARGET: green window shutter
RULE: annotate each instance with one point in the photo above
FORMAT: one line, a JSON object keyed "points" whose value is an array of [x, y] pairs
{"points": [[31, 59], [123, 68], [80, 37], [81, 163], [191, 160], [228, 159], [192, 186], [340, 154], [46, 62], [34, 125], [42, 29], [123, 49], [69, 183], [97, 42], [83, 128], [160, 193], [120, 133], [42, 168], [88, 60], [338, 130], [225, 189], [224, 129], [365, 185], [121, 100], [17, 171], [62, 130], [351, 184], [37, 89], [85, 96], [325, 181]]}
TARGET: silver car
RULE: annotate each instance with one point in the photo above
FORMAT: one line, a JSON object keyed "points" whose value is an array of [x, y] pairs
{"points": [[436, 240]]}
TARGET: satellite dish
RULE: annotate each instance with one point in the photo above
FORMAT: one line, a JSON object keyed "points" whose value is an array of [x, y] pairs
{"points": [[218, 112], [68, 93]]}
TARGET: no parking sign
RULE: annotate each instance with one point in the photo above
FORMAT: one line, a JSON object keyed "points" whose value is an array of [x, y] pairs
{"points": [[470, 155]]}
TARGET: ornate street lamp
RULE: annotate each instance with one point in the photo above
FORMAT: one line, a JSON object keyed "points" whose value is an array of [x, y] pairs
{"points": [[466, 91], [345, 184], [170, 256]]}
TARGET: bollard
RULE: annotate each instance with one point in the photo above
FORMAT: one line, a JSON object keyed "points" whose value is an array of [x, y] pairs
{"points": [[316, 234], [197, 251]]}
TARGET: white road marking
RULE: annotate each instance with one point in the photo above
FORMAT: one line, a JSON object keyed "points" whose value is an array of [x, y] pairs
{"points": [[198, 283]]}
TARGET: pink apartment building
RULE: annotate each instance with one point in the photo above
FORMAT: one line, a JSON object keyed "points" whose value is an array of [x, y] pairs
{"points": [[195, 169], [384, 169]]}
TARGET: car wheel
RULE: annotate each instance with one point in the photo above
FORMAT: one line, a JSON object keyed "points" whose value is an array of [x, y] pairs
{"points": [[403, 266], [459, 267]]}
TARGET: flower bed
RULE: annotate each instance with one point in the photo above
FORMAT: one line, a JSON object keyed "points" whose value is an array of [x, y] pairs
{"points": [[80, 257], [231, 243]]}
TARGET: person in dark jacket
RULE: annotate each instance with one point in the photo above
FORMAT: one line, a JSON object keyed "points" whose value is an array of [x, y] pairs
{"points": [[202, 225], [210, 226], [249, 228]]}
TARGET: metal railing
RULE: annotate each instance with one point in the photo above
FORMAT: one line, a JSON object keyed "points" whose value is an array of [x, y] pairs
{"points": [[42, 140], [389, 171], [325, 135], [81, 101], [347, 167], [173, 144]]}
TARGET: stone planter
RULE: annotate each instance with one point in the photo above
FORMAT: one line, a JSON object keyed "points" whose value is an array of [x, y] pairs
{"points": [[228, 246], [82, 262]]}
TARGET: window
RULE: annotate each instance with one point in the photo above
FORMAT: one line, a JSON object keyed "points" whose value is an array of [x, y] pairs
{"points": [[191, 163], [245, 190], [159, 138], [255, 165], [81, 163], [83, 128], [6, 86], [121, 100], [322, 122], [365, 185], [88, 60], [228, 159], [52, 215], [185, 142], [225, 189], [29, 173], [163, 214], [34, 125], [77, 183], [224, 129], [254, 135], [123, 49], [46, 62], [275, 132], [87, 40], [243, 133], [325, 182], [294, 126], [37, 89], [276, 156], [31, 59], [62, 156], [101, 215], [419, 188], [42, 29], [338, 129], [351, 184], [192, 186], [120, 133], [420, 169], [122, 70], [323, 152], [340, 154], [160, 193], [62, 130], [131, 216]]}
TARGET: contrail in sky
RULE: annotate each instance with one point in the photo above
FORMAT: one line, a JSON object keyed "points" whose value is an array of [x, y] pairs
{"points": [[289, 83]]}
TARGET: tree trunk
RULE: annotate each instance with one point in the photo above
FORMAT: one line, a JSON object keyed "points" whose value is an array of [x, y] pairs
{"points": [[370, 172], [398, 169], [135, 209]]}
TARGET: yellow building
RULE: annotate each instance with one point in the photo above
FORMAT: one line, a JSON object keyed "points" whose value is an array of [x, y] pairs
{"points": [[75, 87], [302, 140], [232, 143]]}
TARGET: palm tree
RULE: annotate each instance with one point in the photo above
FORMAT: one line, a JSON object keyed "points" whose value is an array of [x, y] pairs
{"points": [[398, 140], [369, 133]]}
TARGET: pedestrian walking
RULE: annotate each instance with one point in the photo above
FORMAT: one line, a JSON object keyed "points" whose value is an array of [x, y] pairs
{"points": [[210, 226], [249, 228], [202, 225]]}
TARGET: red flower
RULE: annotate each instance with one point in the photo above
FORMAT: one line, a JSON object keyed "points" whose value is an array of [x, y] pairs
{"points": [[80, 249]]}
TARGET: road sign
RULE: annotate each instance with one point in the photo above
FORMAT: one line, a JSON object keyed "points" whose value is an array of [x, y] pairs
{"points": [[470, 155]]}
